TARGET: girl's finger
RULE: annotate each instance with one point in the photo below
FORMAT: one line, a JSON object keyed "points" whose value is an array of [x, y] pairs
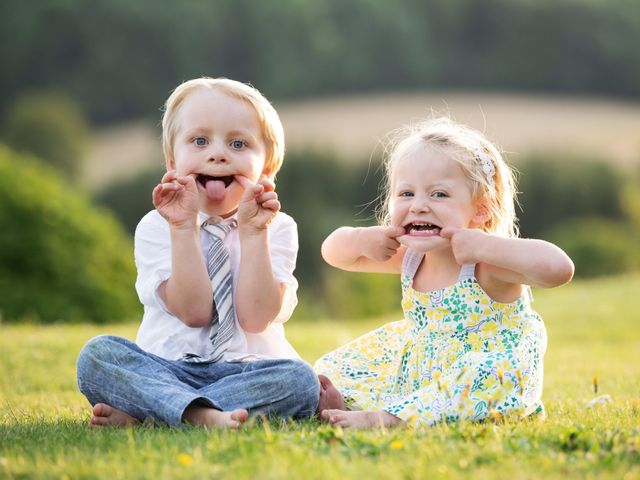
{"points": [[447, 232], [393, 232]]}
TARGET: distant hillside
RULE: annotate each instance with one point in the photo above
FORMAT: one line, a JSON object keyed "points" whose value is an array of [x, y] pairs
{"points": [[354, 126]]}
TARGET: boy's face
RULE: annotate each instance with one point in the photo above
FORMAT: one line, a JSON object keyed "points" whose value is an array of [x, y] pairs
{"points": [[218, 137]]}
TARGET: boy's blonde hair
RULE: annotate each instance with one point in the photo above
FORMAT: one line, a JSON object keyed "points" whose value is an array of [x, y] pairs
{"points": [[272, 131], [490, 179]]}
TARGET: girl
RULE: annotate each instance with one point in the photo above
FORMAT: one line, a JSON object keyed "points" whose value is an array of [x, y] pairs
{"points": [[470, 345]]}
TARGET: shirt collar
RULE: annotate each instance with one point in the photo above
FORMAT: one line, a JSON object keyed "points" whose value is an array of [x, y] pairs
{"points": [[205, 219]]}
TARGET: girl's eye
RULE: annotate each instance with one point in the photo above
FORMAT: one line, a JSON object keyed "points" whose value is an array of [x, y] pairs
{"points": [[200, 141], [406, 194], [238, 144]]}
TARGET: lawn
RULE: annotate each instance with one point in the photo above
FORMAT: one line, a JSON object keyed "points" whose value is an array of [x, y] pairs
{"points": [[594, 337]]}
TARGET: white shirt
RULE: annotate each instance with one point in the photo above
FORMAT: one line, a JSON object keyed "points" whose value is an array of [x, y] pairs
{"points": [[163, 334]]}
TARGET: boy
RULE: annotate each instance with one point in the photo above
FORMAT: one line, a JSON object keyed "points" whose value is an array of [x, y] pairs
{"points": [[215, 264]]}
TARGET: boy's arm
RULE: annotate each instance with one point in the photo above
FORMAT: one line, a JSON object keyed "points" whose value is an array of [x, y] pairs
{"points": [[365, 249], [187, 293], [258, 294], [512, 260]]}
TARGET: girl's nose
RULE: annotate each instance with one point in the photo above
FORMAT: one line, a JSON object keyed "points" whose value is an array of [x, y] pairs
{"points": [[419, 205]]}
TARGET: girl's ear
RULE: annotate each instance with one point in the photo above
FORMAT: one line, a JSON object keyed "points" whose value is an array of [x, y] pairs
{"points": [[170, 163], [482, 215]]}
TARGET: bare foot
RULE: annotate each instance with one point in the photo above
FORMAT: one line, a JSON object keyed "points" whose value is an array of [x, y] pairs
{"points": [[106, 415], [330, 396], [212, 418], [360, 418]]}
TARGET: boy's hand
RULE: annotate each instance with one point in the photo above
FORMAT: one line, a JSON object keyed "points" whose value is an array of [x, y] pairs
{"points": [[380, 243], [466, 243], [258, 205], [176, 199]]}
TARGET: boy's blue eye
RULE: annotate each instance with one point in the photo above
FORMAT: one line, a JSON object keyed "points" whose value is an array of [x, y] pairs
{"points": [[237, 144], [440, 195], [200, 141]]}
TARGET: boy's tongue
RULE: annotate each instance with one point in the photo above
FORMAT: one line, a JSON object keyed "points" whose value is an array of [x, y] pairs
{"points": [[215, 190]]}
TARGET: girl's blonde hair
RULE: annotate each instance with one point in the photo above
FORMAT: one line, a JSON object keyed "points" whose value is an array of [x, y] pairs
{"points": [[490, 179], [272, 131]]}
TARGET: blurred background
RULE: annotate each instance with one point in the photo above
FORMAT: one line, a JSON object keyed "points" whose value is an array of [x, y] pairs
{"points": [[555, 83]]}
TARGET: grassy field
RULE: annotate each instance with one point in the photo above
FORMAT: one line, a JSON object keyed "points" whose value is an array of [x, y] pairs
{"points": [[353, 126], [594, 331]]}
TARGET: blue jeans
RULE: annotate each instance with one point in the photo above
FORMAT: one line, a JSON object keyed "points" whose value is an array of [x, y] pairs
{"points": [[117, 372]]}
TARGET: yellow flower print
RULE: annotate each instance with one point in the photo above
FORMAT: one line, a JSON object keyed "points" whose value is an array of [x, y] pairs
{"points": [[490, 328], [490, 383], [407, 303], [505, 365], [475, 340]]}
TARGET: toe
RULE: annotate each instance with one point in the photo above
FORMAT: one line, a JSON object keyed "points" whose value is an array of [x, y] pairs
{"points": [[324, 381], [102, 410]]}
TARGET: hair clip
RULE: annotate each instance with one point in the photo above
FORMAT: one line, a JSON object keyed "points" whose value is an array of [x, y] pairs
{"points": [[487, 165]]}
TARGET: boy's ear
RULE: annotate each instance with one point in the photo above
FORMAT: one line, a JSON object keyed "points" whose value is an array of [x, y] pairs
{"points": [[482, 215], [170, 164], [267, 171]]}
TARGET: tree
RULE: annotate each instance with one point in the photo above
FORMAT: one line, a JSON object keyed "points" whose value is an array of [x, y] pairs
{"points": [[50, 126], [61, 258]]}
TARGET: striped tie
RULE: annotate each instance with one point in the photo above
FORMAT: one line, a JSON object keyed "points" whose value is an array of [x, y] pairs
{"points": [[219, 268]]}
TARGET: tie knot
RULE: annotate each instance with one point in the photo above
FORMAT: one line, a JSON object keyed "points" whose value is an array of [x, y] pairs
{"points": [[221, 229]]}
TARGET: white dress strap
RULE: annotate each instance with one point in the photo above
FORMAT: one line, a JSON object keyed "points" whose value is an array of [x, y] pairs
{"points": [[468, 270], [411, 262]]}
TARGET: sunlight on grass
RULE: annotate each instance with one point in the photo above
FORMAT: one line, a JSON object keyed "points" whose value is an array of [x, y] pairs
{"points": [[594, 331]]}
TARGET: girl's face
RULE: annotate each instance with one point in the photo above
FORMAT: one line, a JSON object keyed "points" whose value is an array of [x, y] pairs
{"points": [[430, 192]]}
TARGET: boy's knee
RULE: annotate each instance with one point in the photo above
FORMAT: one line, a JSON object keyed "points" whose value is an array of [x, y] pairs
{"points": [[99, 349]]}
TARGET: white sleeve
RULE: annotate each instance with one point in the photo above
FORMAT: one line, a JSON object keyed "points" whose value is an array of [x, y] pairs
{"points": [[152, 251], [283, 245]]}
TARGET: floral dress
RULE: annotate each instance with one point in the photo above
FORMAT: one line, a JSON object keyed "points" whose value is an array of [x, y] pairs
{"points": [[456, 354]]}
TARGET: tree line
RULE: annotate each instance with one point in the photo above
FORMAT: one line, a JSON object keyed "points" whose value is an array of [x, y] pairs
{"points": [[119, 59]]}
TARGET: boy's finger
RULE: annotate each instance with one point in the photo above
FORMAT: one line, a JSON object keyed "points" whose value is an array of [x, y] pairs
{"points": [[157, 193], [170, 176], [244, 181], [267, 183], [266, 196], [164, 188], [273, 205], [186, 180], [251, 192]]}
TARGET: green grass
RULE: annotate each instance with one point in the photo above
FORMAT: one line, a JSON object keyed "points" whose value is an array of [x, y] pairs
{"points": [[594, 330]]}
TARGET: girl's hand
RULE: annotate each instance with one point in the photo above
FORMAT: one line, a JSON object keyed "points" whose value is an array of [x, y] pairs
{"points": [[380, 243], [258, 205], [176, 199], [466, 243]]}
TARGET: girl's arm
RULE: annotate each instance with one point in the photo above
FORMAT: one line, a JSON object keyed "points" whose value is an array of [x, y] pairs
{"points": [[365, 249], [511, 260]]}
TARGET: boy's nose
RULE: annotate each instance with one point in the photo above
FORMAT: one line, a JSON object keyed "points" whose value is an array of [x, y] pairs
{"points": [[219, 158], [217, 155]]}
